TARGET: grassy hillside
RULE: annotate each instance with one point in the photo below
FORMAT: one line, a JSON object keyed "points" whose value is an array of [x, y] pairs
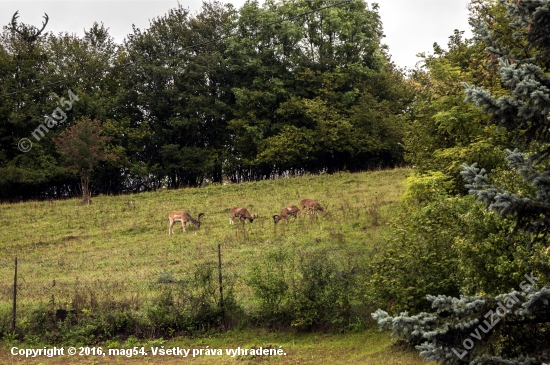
{"points": [[116, 243], [118, 250]]}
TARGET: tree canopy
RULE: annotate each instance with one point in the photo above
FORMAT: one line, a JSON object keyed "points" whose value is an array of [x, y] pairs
{"points": [[243, 94]]}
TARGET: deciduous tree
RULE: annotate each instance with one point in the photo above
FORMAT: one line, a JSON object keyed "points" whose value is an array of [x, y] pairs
{"points": [[83, 149]]}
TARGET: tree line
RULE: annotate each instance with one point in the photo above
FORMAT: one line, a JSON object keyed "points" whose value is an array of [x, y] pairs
{"points": [[243, 94]]}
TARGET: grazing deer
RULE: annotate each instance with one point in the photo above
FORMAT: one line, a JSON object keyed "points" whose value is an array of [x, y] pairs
{"points": [[183, 217], [286, 213], [311, 206], [242, 214]]}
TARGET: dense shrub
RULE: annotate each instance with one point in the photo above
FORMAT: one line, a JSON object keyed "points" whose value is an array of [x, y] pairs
{"points": [[270, 285], [449, 245], [418, 258], [185, 306], [309, 290]]}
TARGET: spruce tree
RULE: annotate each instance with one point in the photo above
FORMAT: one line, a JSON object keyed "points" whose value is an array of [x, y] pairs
{"points": [[512, 328]]}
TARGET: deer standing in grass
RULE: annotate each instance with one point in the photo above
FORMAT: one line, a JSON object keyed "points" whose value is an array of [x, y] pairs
{"points": [[242, 214], [311, 206], [286, 213], [183, 217]]}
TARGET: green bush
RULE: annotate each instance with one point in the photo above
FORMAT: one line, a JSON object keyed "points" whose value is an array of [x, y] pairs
{"points": [[314, 298], [419, 257], [492, 257], [309, 290], [269, 283], [443, 244]]}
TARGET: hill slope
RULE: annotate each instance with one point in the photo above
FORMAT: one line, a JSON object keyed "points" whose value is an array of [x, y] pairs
{"points": [[125, 238], [117, 253]]}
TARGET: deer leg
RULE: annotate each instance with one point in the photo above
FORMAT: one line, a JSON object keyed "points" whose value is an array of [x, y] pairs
{"points": [[170, 225], [244, 231]]}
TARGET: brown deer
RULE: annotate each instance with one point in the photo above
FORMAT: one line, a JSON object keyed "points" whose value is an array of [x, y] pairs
{"points": [[311, 206], [242, 214], [286, 213], [183, 217]]}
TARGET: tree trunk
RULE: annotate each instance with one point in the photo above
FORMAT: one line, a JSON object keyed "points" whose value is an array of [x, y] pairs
{"points": [[85, 185]]}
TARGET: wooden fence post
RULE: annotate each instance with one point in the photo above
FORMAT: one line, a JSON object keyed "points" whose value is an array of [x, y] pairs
{"points": [[220, 277], [14, 297]]}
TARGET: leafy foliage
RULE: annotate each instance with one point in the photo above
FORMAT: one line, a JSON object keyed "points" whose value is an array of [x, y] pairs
{"points": [[510, 238], [82, 148], [308, 291], [210, 96], [419, 258], [445, 130]]}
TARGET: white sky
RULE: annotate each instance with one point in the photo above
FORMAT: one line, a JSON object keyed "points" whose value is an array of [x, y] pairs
{"points": [[410, 26]]}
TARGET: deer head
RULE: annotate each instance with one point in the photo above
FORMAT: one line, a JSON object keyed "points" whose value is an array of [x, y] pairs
{"points": [[27, 36]]}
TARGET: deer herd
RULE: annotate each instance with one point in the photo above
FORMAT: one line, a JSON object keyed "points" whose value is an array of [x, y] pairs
{"points": [[309, 205]]}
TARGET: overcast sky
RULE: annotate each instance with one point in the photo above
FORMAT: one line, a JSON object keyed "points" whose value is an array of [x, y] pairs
{"points": [[410, 26]]}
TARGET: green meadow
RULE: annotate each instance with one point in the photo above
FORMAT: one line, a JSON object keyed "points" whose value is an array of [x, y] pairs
{"points": [[117, 252], [117, 243]]}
